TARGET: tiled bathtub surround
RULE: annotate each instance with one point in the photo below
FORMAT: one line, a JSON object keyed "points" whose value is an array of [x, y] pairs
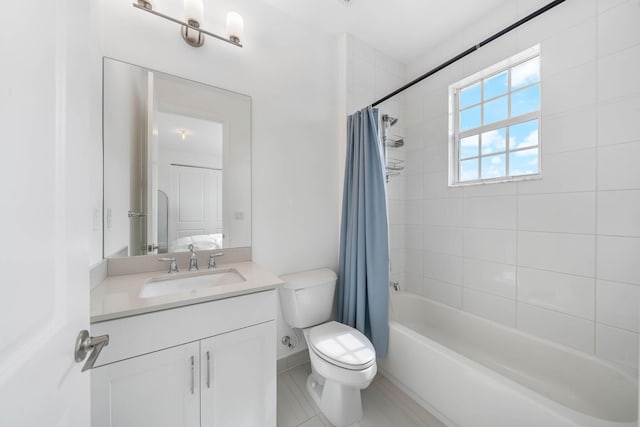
{"points": [[557, 257]]}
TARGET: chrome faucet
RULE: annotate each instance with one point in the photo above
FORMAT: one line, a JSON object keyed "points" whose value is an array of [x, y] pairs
{"points": [[212, 259], [173, 266], [193, 260]]}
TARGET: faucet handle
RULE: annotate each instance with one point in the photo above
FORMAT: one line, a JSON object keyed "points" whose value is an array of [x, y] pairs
{"points": [[193, 261], [212, 259], [173, 266]]}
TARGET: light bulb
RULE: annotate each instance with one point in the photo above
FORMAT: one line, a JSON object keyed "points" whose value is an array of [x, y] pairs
{"points": [[193, 12], [235, 27]]}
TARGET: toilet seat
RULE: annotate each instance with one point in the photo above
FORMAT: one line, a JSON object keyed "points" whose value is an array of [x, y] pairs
{"points": [[342, 346]]}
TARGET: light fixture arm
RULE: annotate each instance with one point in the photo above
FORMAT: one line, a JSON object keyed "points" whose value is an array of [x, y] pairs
{"points": [[186, 28]]}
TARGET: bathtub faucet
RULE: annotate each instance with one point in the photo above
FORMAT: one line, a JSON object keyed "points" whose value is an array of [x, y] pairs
{"points": [[395, 286]]}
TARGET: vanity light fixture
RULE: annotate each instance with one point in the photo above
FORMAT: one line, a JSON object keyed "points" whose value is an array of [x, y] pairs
{"points": [[191, 30], [183, 133]]}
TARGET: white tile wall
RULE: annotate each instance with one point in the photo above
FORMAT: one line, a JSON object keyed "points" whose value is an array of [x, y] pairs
{"points": [[490, 245], [498, 309], [617, 166], [617, 74], [564, 172], [610, 115], [444, 239], [561, 252], [443, 212], [619, 305], [571, 130], [617, 345], [490, 212], [619, 213], [556, 257], [443, 292], [560, 213], [561, 292], [569, 330], [491, 277], [618, 259]]}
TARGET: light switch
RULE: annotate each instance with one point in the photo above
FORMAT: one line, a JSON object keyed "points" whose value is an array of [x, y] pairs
{"points": [[238, 215]]}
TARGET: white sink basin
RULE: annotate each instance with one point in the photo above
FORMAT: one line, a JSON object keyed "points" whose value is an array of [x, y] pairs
{"points": [[158, 286]]}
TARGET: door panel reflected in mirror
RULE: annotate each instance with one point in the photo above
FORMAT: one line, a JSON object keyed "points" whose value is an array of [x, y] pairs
{"points": [[177, 164]]}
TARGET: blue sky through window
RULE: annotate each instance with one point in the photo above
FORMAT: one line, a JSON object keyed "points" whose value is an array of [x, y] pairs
{"points": [[523, 162], [523, 135], [525, 101], [496, 85], [487, 152], [470, 96]]}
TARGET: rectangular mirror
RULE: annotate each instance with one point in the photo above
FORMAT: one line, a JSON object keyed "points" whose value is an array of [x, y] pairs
{"points": [[177, 164]]}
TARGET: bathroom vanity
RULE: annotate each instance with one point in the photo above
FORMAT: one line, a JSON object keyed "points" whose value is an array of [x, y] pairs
{"points": [[189, 356], [188, 348]]}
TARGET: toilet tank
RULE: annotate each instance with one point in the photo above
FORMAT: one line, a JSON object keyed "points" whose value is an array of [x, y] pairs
{"points": [[307, 297]]}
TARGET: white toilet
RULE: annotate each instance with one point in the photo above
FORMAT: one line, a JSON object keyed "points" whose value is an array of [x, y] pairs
{"points": [[343, 361]]}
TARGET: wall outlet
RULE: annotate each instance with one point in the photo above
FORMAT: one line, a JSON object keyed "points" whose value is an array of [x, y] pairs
{"points": [[109, 218]]}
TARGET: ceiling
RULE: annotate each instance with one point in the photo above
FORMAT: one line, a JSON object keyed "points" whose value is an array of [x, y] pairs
{"points": [[203, 137], [403, 29]]}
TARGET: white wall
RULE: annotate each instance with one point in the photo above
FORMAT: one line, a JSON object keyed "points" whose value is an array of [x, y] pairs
{"points": [[290, 72], [557, 257]]}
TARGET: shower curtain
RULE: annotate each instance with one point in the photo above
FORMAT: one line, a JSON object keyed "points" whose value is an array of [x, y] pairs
{"points": [[363, 280]]}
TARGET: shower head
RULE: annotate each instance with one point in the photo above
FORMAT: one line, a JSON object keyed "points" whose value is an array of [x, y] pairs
{"points": [[390, 121]]}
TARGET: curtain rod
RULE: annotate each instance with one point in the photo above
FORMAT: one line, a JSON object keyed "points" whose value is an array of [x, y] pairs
{"points": [[471, 50]]}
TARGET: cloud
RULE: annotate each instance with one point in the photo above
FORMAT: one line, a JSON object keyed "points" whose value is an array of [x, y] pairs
{"points": [[526, 73], [493, 141], [529, 141]]}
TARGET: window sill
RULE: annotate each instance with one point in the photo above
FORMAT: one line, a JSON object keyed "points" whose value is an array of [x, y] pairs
{"points": [[497, 180]]}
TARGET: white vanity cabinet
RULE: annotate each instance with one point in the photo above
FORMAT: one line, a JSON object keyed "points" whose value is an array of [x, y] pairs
{"points": [[155, 390], [238, 380], [211, 364]]}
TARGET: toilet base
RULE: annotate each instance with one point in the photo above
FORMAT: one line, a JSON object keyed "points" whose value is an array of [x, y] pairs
{"points": [[341, 405]]}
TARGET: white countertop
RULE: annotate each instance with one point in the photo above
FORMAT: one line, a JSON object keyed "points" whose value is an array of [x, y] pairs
{"points": [[118, 296]]}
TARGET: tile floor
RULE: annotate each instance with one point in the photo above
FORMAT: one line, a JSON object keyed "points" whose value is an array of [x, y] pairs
{"points": [[383, 403]]}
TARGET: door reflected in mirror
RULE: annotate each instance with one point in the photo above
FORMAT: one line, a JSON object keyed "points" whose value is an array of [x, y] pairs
{"points": [[177, 164]]}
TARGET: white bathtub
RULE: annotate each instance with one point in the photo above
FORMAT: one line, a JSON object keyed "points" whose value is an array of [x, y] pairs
{"points": [[472, 372]]}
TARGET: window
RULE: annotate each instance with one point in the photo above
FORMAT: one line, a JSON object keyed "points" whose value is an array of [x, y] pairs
{"points": [[495, 122]]}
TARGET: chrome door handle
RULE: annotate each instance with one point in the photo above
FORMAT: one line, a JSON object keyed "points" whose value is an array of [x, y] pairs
{"points": [[85, 344], [132, 214]]}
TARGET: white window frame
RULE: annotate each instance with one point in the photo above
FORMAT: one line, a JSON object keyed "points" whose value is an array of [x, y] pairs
{"points": [[455, 136]]}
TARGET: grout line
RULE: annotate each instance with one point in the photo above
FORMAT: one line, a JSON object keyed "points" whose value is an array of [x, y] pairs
{"points": [[462, 286], [595, 243], [552, 310], [631, 331], [517, 238]]}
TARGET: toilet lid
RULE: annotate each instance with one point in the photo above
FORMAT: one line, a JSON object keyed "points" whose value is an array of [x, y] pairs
{"points": [[342, 345]]}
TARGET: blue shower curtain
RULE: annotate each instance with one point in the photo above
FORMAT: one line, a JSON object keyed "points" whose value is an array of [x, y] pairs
{"points": [[363, 280]]}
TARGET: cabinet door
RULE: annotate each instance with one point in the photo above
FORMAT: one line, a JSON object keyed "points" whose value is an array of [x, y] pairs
{"points": [[238, 378], [160, 389]]}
